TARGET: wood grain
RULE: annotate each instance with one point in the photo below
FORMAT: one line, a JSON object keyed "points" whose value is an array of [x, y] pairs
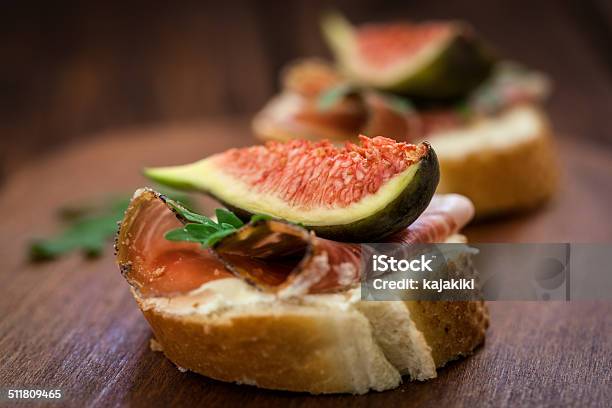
{"points": [[71, 69], [72, 324]]}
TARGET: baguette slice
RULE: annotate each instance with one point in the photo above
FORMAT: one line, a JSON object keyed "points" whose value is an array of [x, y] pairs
{"points": [[325, 343], [504, 163]]}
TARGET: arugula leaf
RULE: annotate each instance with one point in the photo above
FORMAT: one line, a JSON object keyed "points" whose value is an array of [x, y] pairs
{"points": [[398, 104], [191, 232], [333, 95], [464, 110], [201, 228], [205, 230], [186, 214], [228, 217], [180, 234], [217, 236], [88, 233], [88, 228], [259, 217]]}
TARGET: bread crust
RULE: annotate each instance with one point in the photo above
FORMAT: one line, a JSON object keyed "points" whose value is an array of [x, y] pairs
{"points": [[502, 180], [295, 348], [452, 329]]}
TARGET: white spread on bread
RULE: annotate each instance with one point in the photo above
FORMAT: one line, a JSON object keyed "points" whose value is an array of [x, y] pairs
{"points": [[229, 293], [514, 126]]}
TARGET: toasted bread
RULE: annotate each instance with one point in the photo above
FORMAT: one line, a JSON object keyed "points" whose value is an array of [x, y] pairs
{"points": [[504, 163], [324, 343]]}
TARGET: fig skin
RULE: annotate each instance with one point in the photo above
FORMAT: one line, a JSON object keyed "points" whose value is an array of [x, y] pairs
{"points": [[403, 205], [460, 68], [397, 215], [462, 64]]}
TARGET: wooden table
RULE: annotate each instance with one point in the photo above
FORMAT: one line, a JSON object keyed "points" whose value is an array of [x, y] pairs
{"points": [[72, 324]]}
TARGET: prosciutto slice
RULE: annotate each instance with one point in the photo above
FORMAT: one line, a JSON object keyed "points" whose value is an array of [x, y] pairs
{"points": [[445, 216], [153, 265], [288, 260], [273, 256]]}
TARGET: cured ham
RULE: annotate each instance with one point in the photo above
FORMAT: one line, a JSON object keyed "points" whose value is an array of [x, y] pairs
{"points": [[445, 216], [274, 256], [153, 265], [288, 260]]}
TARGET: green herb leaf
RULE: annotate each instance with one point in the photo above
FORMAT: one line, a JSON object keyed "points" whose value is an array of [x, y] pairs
{"points": [[398, 104], [217, 236], [88, 228], [259, 217], [200, 228], [204, 230], [191, 233], [333, 95], [464, 110], [179, 234], [87, 233], [188, 215], [227, 217]]}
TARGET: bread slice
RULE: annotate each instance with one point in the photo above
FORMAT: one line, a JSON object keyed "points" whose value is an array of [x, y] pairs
{"points": [[314, 348], [504, 163], [326, 343]]}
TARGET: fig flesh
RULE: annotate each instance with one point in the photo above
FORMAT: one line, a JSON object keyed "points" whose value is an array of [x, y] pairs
{"points": [[356, 193], [432, 60]]}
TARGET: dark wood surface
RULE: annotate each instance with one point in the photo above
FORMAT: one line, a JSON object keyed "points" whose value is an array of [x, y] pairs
{"points": [[72, 324], [71, 69]]}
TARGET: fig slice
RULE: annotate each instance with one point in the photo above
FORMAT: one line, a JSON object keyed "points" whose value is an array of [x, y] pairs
{"points": [[431, 60], [286, 259], [355, 193], [153, 265]]}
